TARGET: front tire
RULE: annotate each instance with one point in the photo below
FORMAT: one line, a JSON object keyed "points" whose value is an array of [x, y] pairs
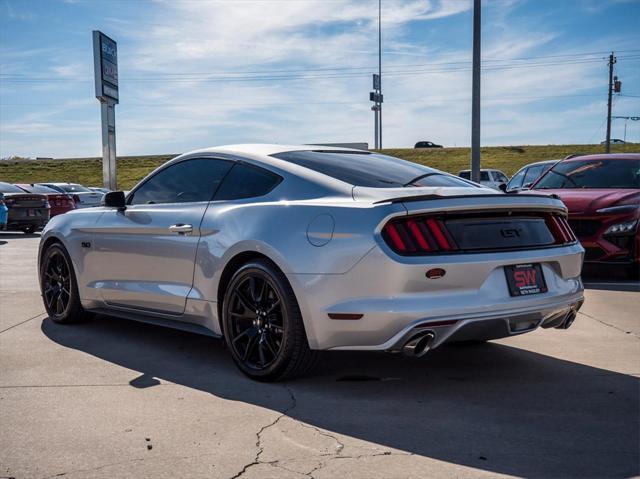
{"points": [[263, 325], [59, 287]]}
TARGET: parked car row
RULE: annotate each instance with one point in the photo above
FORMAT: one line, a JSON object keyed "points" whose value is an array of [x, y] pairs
{"points": [[29, 206]]}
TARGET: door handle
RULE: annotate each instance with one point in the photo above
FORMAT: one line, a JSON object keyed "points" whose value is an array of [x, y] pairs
{"points": [[181, 229]]}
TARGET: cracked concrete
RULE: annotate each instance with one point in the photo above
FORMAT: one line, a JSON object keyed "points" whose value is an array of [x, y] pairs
{"points": [[86, 401]]}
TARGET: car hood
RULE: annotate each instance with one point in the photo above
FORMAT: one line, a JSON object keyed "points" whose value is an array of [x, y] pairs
{"points": [[587, 201]]}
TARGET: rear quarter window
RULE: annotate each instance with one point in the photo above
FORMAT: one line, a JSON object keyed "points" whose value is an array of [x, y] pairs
{"points": [[246, 181]]}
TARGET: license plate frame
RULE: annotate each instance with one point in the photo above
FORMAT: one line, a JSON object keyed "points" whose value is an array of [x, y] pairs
{"points": [[525, 279]]}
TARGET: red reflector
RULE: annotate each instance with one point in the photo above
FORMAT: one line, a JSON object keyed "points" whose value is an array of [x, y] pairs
{"points": [[346, 316], [435, 273]]}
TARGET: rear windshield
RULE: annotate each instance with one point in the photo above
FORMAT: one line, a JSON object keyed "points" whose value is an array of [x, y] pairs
{"points": [[371, 169], [9, 188], [45, 190], [73, 188], [592, 174]]}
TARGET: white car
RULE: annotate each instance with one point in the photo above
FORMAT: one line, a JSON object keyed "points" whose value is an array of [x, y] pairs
{"points": [[491, 178], [82, 196], [284, 251]]}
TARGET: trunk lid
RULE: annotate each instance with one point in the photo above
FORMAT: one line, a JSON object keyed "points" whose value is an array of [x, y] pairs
{"points": [[26, 200]]}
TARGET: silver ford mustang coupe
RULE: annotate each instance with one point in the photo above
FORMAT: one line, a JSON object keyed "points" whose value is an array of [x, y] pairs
{"points": [[288, 250]]}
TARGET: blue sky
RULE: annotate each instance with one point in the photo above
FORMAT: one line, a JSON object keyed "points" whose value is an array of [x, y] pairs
{"points": [[196, 73]]}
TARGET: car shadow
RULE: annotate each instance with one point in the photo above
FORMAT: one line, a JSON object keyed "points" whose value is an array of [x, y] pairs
{"points": [[492, 407]]}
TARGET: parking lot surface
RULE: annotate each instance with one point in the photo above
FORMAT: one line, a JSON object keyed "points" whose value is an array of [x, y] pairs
{"points": [[110, 398]]}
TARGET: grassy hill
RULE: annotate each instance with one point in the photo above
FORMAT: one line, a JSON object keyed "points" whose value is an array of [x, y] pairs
{"points": [[131, 169]]}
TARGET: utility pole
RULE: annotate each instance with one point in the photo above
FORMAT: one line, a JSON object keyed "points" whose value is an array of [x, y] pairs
{"points": [[607, 144], [374, 109], [475, 101], [380, 70]]}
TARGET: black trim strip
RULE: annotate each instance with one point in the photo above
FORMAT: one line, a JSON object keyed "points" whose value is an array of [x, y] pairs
{"points": [[408, 199]]}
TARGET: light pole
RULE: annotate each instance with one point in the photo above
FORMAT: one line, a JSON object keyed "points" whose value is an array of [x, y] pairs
{"points": [[475, 101], [380, 70]]}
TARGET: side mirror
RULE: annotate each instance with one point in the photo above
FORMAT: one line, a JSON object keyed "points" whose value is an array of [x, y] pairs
{"points": [[114, 199], [502, 187]]}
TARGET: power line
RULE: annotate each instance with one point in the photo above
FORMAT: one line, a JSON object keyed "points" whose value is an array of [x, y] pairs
{"points": [[213, 79], [267, 74]]}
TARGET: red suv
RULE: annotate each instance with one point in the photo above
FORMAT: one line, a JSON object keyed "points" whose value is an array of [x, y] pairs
{"points": [[602, 193]]}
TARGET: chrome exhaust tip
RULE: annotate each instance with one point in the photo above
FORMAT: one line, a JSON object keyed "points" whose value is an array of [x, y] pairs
{"points": [[568, 320], [418, 345], [571, 316]]}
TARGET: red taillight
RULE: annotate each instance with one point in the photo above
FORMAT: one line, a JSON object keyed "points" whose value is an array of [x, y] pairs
{"points": [[418, 236], [560, 229]]}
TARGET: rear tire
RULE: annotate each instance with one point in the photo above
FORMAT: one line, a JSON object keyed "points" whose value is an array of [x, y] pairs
{"points": [[263, 325], [59, 287], [28, 229]]}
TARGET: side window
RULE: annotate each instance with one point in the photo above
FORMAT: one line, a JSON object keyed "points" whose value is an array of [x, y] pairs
{"points": [[245, 181], [500, 177], [484, 176], [185, 182], [516, 181], [532, 174]]}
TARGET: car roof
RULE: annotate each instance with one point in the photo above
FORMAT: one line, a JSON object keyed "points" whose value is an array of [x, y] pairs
{"points": [[267, 149], [483, 169]]}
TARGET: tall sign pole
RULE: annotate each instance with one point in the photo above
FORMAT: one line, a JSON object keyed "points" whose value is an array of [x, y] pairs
{"points": [[380, 70], [607, 144], [475, 101], [105, 64]]}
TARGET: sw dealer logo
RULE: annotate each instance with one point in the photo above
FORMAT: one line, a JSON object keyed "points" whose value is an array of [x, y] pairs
{"points": [[525, 278]]}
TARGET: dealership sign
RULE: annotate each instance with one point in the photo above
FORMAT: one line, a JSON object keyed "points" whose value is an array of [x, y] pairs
{"points": [[105, 60]]}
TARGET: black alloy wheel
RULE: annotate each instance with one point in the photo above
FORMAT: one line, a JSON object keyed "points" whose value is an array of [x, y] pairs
{"points": [[257, 321], [263, 325], [57, 283], [59, 287]]}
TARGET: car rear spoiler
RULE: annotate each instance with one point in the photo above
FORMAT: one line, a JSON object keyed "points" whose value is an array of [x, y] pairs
{"points": [[406, 199]]}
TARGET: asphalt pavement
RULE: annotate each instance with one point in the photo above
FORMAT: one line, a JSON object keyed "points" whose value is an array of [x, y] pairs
{"points": [[115, 399]]}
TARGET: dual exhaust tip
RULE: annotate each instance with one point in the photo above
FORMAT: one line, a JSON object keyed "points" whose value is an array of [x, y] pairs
{"points": [[571, 316], [418, 345]]}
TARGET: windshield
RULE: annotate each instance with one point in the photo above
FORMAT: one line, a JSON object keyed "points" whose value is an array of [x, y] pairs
{"points": [[45, 190], [9, 188], [74, 188], [592, 174], [371, 169]]}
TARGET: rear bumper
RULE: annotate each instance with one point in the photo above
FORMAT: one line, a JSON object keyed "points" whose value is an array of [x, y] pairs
{"points": [[393, 297], [486, 326]]}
